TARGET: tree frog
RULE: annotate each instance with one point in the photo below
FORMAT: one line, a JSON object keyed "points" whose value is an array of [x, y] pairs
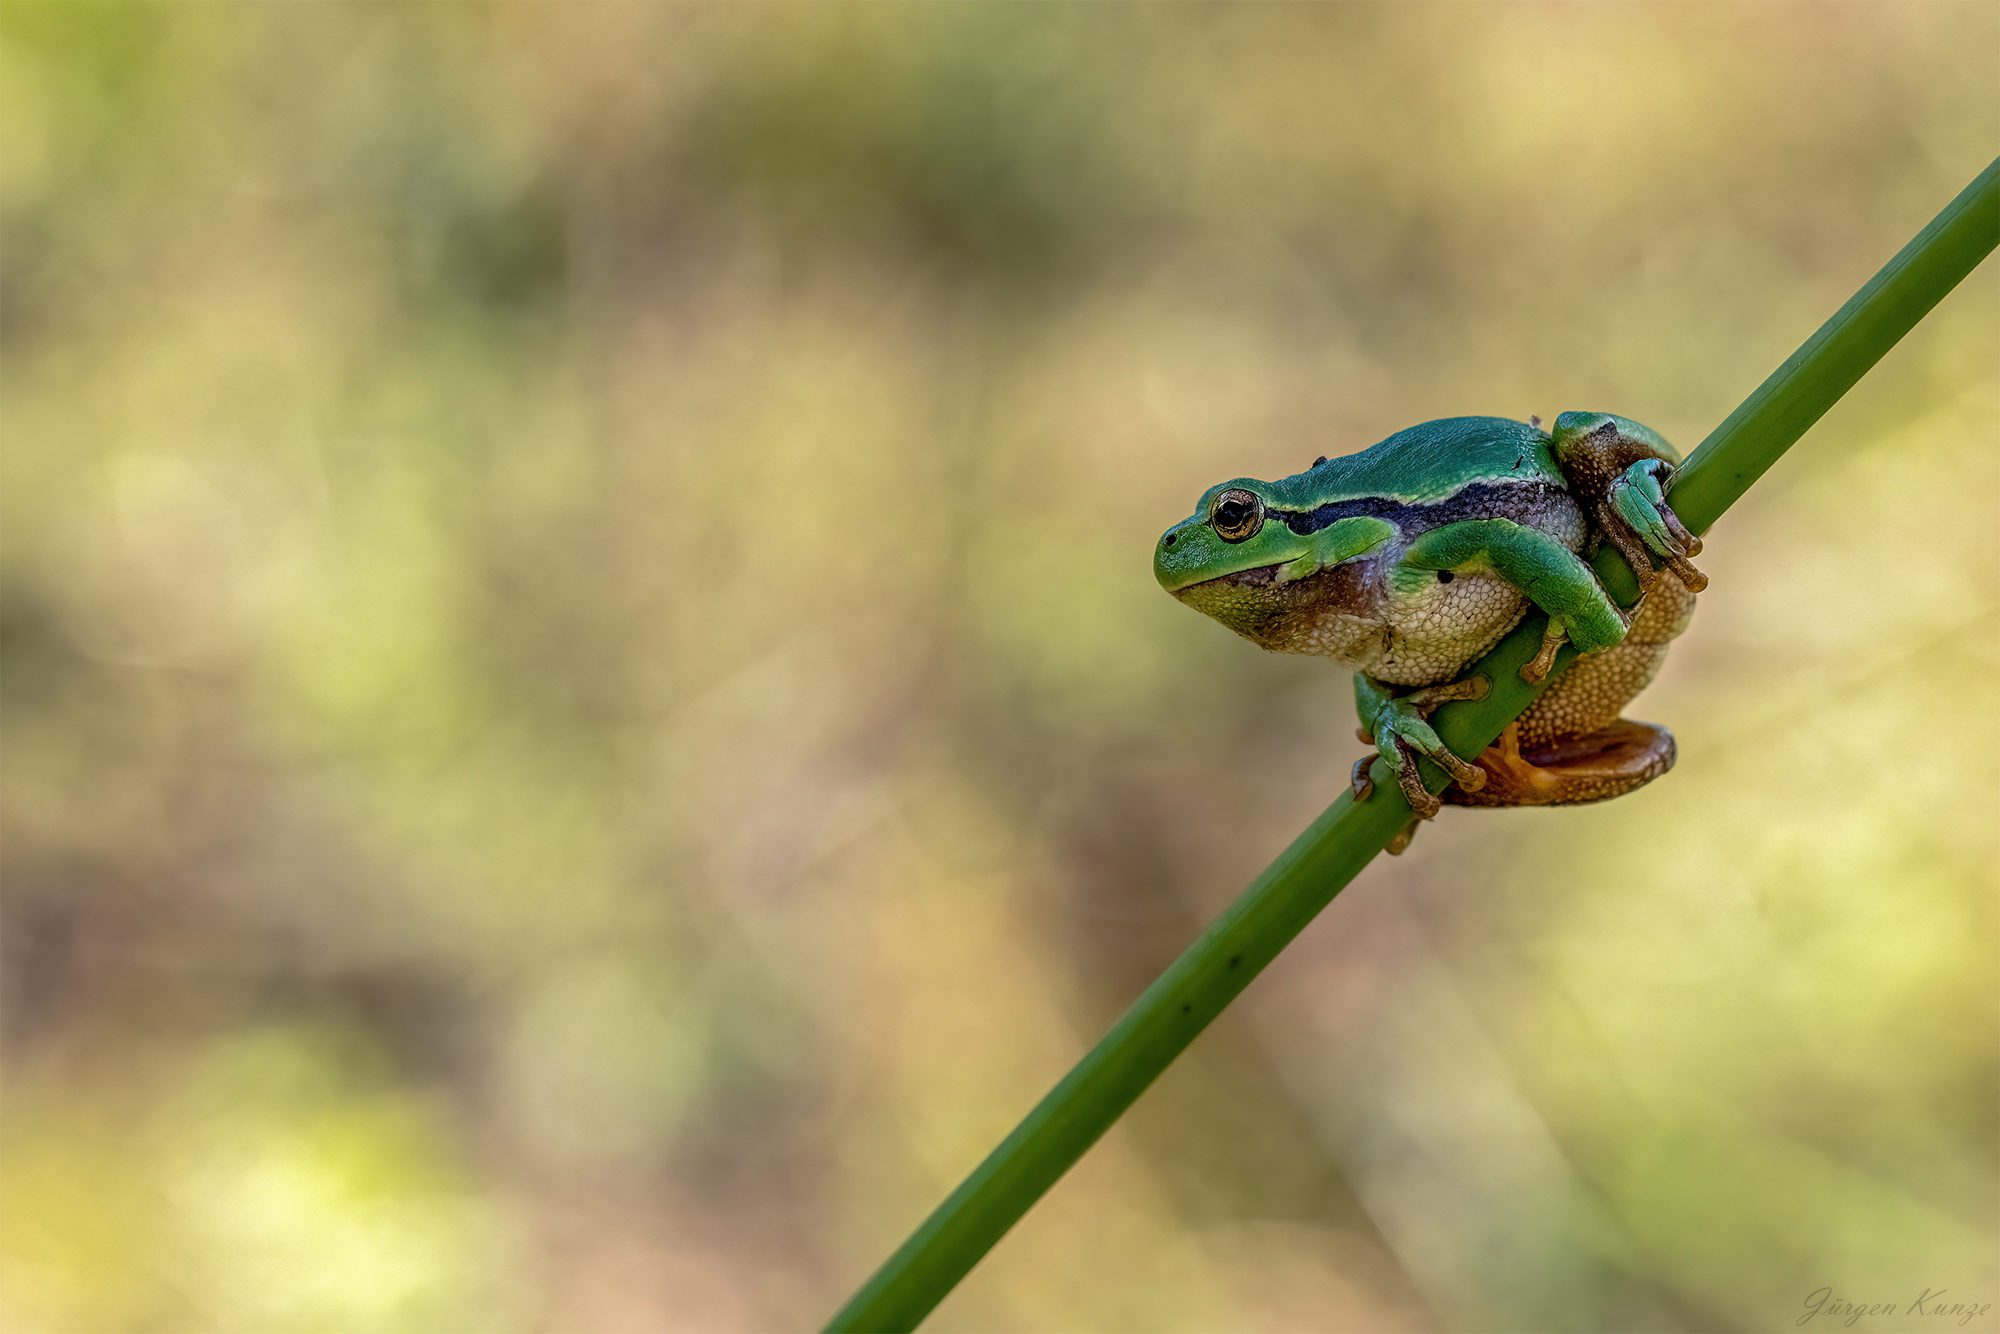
{"points": [[1407, 561]]}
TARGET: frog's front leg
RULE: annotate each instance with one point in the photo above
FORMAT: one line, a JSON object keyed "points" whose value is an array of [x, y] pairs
{"points": [[1551, 576], [1398, 726]]}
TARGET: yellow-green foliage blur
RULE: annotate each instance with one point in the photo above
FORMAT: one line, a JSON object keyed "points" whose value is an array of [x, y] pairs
{"points": [[588, 723]]}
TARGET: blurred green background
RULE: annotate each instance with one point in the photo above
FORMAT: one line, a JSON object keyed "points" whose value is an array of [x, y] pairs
{"points": [[588, 723]]}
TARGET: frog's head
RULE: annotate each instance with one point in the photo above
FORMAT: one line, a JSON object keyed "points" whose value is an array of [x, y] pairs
{"points": [[1253, 563], [1232, 530]]}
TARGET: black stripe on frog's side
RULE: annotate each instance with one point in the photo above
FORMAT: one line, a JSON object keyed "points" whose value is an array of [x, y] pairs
{"points": [[1481, 500]]}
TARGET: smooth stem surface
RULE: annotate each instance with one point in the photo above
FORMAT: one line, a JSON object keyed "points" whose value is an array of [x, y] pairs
{"points": [[1813, 378], [1346, 837]]}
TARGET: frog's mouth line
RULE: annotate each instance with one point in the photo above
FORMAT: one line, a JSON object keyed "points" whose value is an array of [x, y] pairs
{"points": [[1256, 577], [1261, 576], [1346, 589]]}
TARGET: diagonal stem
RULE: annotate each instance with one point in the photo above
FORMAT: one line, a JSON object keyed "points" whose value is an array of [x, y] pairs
{"points": [[1347, 835]]}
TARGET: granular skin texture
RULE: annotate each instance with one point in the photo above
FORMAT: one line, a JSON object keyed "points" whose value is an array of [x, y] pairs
{"points": [[1589, 695]]}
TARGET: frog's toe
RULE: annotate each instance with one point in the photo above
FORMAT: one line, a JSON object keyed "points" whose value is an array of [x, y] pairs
{"points": [[1422, 803], [1410, 779], [1363, 785], [1465, 777], [1691, 579], [1553, 638], [1426, 698], [1569, 771], [1468, 776]]}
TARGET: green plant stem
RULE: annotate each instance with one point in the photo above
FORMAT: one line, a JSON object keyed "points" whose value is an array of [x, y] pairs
{"points": [[1798, 393], [1347, 835]]}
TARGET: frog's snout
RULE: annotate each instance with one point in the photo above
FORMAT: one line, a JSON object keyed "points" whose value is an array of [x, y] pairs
{"points": [[1176, 556]]}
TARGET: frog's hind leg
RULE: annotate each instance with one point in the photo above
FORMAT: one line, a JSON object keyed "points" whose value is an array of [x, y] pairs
{"points": [[1571, 746], [1615, 759]]}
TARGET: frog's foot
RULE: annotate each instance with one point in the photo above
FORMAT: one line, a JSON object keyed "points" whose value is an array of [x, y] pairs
{"points": [[1568, 771], [1401, 841], [1402, 733], [1636, 517]]}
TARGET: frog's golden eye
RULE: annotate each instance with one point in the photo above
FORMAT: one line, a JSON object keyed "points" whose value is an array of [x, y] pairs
{"points": [[1236, 516]]}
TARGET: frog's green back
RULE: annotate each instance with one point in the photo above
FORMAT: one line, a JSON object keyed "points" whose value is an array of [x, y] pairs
{"points": [[1427, 463]]}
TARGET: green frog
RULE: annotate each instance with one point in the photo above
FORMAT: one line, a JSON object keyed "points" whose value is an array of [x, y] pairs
{"points": [[1407, 561]]}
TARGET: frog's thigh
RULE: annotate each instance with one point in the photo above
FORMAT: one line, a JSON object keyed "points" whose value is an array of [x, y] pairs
{"points": [[1591, 693], [1589, 696], [1571, 746]]}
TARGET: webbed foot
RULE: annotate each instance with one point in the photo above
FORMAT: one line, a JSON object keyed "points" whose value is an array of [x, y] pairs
{"points": [[1568, 771]]}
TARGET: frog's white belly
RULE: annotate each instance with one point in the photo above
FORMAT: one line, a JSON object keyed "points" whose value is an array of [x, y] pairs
{"points": [[1420, 638]]}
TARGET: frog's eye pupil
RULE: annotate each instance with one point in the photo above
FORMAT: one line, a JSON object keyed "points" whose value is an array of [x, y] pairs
{"points": [[1237, 516], [1444, 576]]}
